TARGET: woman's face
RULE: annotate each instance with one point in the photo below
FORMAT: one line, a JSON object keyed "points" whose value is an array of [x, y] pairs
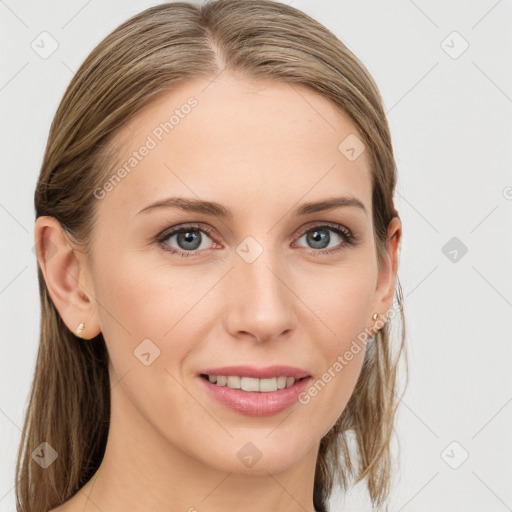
{"points": [[258, 279]]}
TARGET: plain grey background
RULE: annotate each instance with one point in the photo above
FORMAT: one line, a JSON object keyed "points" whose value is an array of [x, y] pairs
{"points": [[445, 73]]}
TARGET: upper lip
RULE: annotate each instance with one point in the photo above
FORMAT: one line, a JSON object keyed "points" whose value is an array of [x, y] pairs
{"points": [[266, 372]]}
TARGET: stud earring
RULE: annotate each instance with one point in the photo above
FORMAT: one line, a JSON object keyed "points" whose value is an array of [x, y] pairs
{"points": [[374, 317], [80, 328]]}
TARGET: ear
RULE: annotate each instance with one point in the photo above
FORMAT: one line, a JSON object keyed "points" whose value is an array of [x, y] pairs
{"points": [[387, 274], [67, 276]]}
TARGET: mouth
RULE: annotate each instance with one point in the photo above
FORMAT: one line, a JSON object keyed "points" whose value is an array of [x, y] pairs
{"points": [[252, 384], [255, 392]]}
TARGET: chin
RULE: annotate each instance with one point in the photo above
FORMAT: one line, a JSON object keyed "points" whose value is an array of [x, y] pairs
{"points": [[260, 453]]}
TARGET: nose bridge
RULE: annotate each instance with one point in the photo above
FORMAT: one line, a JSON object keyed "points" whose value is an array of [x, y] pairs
{"points": [[262, 303]]}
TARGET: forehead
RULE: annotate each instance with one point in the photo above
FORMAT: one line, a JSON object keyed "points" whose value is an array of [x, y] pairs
{"points": [[261, 140]]}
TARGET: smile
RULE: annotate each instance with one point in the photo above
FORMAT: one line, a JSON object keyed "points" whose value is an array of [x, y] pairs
{"points": [[251, 383]]}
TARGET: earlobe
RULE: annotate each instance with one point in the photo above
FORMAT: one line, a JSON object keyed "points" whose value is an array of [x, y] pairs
{"points": [[65, 273]]}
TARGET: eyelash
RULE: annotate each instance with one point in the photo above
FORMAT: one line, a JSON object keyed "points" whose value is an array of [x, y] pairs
{"points": [[344, 233]]}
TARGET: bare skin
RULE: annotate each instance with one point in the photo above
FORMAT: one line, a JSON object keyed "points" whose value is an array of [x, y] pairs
{"points": [[260, 149]]}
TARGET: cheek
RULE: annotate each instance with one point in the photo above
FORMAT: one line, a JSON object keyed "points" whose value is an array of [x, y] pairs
{"points": [[340, 300], [144, 320], [125, 296], [343, 313], [146, 300]]}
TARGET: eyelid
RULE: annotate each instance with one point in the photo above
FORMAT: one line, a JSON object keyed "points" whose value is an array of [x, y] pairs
{"points": [[322, 223], [166, 233]]}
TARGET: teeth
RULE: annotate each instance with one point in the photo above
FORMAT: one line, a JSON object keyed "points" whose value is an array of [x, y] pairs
{"points": [[252, 384], [268, 384], [234, 382]]}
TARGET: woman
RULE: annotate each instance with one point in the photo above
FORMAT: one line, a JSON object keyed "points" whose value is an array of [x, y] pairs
{"points": [[217, 257]]}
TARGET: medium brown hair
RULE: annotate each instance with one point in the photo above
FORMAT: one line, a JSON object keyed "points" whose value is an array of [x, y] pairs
{"points": [[145, 57]]}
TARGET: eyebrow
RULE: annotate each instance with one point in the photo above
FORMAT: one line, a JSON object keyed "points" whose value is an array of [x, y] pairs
{"points": [[218, 210]]}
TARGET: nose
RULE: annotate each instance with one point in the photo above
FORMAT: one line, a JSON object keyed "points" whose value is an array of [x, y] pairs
{"points": [[261, 305]]}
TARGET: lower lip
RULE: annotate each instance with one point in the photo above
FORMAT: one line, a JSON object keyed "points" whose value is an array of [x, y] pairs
{"points": [[256, 403]]}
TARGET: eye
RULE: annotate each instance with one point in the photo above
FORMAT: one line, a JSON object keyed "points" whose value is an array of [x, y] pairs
{"points": [[189, 239], [319, 238]]}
